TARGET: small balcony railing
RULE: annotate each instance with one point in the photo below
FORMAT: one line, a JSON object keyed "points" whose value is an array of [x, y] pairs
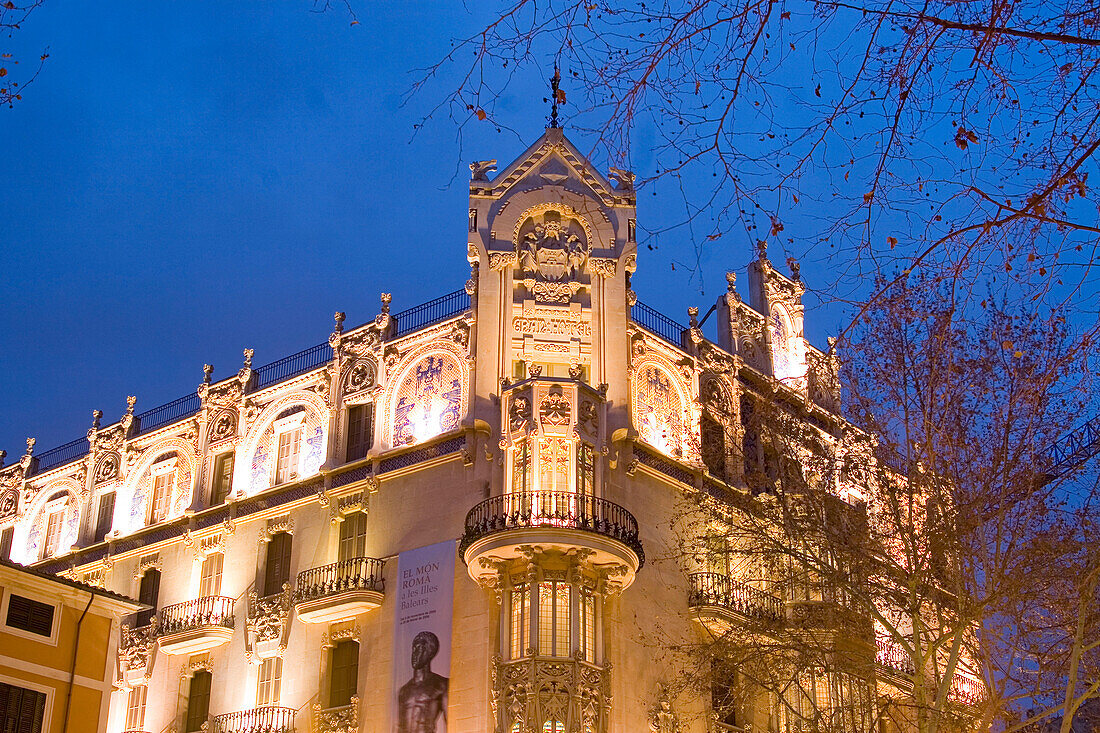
{"points": [[197, 613], [561, 509], [268, 719], [359, 573], [893, 656], [722, 591]]}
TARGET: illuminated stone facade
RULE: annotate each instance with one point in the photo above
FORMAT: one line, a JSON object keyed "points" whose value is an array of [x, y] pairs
{"points": [[540, 417]]}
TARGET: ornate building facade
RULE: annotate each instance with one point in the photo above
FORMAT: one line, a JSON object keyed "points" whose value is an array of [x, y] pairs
{"points": [[551, 428]]}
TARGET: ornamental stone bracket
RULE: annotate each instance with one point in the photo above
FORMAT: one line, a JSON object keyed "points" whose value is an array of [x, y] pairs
{"points": [[528, 693], [136, 653], [337, 720], [268, 624]]}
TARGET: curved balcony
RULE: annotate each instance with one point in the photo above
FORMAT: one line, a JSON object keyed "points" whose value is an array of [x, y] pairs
{"points": [[718, 601], [339, 591], [268, 719], [498, 527], [196, 626]]}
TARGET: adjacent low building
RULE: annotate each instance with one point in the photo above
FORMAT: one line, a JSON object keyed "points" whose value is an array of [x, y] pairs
{"points": [[58, 646]]}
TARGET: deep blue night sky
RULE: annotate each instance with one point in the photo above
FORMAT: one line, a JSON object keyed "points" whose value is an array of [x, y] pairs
{"points": [[184, 181]]}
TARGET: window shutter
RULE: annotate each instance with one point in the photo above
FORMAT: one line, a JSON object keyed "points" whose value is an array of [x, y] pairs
{"points": [[106, 516], [277, 571], [198, 701], [21, 710], [223, 478], [344, 673], [5, 543], [148, 593], [360, 431], [30, 615]]}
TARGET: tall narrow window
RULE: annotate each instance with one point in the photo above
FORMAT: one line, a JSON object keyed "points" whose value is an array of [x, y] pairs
{"points": [[223, 478], [198, 701], [344, 673], [164, 486], [353, 536], [270, 681], [148, 593], [521, 468], [713, 445], [53, 533], [520, 627], [360, 431], [553, 464], [277, 568], [21, 710], [586, 469], [554, 618], [723, 689], [105, 519], [210, 576], [286, 467], [135, 708], [587, 608], [6, 538]]}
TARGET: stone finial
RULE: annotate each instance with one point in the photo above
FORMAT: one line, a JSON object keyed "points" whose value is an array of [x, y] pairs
{"points": [[535, 370], [3, 455], [795, 267], [576, 370], [248, 354], [386, 298], [731, 282], [762, 250], [339, 317], [30, 447], [207, 371], [131, 400], [832, 344], [97, 415], [693, 317]]}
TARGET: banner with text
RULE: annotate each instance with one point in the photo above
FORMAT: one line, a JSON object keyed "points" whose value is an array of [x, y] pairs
{"points": [[422, 638]]}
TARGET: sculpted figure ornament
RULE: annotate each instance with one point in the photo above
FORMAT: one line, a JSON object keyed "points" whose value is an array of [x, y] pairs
{"points": [[624, 179], [555, 408], [480, 169], [9, 503], [520, 413]]}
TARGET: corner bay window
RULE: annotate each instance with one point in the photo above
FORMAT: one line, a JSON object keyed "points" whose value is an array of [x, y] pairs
{"points": [[554, 458], [558, 616]]}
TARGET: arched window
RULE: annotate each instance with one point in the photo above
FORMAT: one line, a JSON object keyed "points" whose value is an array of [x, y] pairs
{"points": [[659, 409], [428, 400]]}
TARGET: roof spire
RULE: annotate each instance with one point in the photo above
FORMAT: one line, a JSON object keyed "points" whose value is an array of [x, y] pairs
{"points": [[555, 95]]}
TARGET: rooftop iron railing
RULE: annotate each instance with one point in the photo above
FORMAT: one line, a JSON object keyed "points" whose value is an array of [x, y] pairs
{"points": [[62, 454], [658, 323], [293, 365], [434, 311], [359, 573], [562, 509], [722, 591], [167, 414]]}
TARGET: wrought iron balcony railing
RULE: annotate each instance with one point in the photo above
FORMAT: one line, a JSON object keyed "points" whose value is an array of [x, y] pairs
{"points": [[359, 573], [722, 591], [561, 509], [267, 719], [891, 655], [194, 614]]}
